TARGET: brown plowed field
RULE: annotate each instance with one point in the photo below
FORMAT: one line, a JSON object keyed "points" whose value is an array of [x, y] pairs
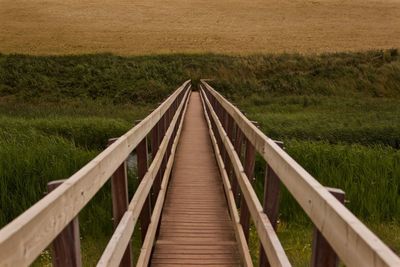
{"points": [[223, 26]]}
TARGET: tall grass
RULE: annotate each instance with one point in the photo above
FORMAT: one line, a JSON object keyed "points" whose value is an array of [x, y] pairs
{"points": [[73, 108], [334, 119], [148, 79], [90, 133], [370, 176], [28, 160]]}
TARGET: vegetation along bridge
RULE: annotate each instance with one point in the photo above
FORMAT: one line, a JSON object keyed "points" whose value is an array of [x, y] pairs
{"points": [[195, 199]]}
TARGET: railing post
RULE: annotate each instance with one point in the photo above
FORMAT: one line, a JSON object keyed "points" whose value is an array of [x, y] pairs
{"points": [[119, 194], [66, 247], [228, 126], [164, 128], [272, 188], [142, 167], [249, 171], [322, 253], [238, 148], [155, 144]]}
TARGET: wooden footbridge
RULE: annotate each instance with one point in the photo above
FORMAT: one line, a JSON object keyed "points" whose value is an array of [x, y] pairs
{"points": [[195, 201]]}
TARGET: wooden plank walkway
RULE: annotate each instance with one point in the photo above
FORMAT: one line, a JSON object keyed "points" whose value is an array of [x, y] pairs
{"points": [[195, 228]]}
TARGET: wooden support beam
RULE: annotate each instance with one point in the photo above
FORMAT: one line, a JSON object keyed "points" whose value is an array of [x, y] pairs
{"points": [[322, 253], [223, 121], [229, 130], [164, 127], [272, 188], [238, 148], [250, 159], [66, 248], [142, 167], [119, 194], [157, 181], [155, 144]]}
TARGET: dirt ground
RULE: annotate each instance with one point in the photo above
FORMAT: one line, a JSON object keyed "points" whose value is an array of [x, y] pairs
{"points": [[222, 26]]}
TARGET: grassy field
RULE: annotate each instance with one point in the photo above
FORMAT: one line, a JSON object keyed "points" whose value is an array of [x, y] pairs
{"points": [[198, 26], [338, 114]]}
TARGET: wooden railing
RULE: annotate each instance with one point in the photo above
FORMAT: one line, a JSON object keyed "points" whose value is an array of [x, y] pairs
{"points": [[28, 235], [230, 131]]}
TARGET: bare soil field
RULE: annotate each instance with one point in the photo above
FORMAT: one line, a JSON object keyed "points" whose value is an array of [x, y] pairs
{"points": [[223, 26]]}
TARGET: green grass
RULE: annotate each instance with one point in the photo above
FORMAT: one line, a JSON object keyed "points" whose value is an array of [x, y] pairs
{"points": [[370, 176], [148, 79], [90, 133], [28, 161], [364, 120], [338, 114]]}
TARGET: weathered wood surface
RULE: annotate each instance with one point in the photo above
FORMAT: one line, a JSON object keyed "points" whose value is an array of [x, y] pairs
{"points": [[195, 228], [354, 243]]}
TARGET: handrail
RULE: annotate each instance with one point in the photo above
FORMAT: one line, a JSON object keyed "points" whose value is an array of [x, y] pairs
{"points": [[22, 240], [267, 235], [120, 239], [354, 243]]}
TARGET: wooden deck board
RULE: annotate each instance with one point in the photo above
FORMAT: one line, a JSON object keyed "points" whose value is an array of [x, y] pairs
{"points": [[195, 229]]}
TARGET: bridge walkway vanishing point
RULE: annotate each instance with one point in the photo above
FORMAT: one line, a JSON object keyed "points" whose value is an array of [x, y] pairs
{"points": [[195, 228], [195, 200]]}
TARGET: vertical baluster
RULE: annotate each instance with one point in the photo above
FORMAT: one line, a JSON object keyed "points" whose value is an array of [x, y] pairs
{"points": [[272, 187], [119, 194], [249, 163], [142, 167], [229, 132], [155, 144], [222, 121], [164, 161], [322, 253], [66, 247], [238, 148]]}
